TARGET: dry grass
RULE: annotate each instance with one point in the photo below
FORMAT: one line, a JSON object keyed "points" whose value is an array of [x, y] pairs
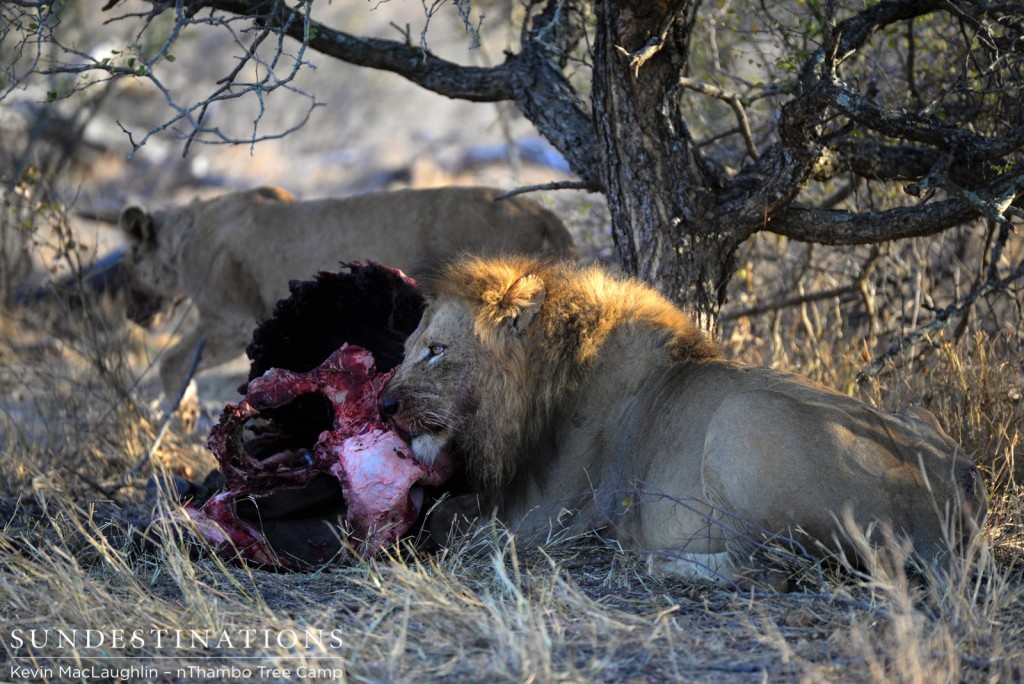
{"points": [[72, 426]]}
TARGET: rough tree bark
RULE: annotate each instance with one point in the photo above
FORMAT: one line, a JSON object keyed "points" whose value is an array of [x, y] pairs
{"points": [[660, 194]]}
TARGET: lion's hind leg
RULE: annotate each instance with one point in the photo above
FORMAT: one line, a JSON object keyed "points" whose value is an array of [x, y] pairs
{"points": [[768, 499]]}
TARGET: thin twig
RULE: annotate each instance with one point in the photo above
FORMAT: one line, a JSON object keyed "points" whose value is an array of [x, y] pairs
{"points": [[652, 47], [405, 32], [734, 101], [840, 195], [992, 272], [797, 300], [554, 185], [105, 491], [172, 408], [993, 209], [941, 319]]}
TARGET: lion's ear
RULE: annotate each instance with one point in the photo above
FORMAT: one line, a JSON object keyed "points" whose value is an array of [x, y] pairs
{"points": [[137, 225], [522, 300]]}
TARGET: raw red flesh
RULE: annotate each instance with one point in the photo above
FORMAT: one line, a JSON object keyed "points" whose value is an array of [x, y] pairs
{"points": [[380, 482]]}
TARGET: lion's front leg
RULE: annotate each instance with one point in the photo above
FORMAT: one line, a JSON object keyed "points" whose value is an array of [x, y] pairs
{"points": [[454, 518]]}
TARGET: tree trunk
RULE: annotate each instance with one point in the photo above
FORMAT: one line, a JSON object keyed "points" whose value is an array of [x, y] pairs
{"points": [[660, 194]]}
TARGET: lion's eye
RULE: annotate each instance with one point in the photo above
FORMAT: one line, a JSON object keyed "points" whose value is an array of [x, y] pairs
{"points": [[436, 349]]}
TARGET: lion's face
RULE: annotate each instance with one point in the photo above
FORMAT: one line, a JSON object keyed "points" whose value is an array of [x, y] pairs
{"points": [[465, 377], [152, 278], [433, 393]]}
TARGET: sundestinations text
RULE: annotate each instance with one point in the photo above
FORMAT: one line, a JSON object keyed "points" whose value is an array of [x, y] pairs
{"points": [[174, 638]]}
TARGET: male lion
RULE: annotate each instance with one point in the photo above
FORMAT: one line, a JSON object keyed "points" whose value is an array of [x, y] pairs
{"points": [[233, 255], [581, 400]]}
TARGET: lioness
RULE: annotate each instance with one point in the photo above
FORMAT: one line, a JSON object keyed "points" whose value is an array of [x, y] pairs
{"points": [[233, 255], [582, 400]]}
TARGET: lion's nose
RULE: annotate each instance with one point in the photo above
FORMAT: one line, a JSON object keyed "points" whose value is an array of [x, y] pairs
{"points": [[387, 405]]}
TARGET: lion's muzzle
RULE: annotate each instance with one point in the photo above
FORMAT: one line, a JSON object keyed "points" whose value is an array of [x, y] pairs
{"points": [[429, 438], [144, 306]]}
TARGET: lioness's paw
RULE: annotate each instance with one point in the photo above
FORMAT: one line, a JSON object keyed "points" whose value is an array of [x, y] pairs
{"points": [[189, 412]]}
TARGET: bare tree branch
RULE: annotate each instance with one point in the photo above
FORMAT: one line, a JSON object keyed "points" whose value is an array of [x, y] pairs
{"points": [[763, 191], [734, 101], [897, 124], [941, 320], [787, 165], [856, 285], [476, 84], [787, 302], [878, 161], [544, 93], [532, 78], [555, 185], [833, 227]]}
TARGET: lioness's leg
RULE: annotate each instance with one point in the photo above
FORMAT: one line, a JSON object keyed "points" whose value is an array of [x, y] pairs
{"points": [[220, 344], [176, 363], [218, 347]]}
